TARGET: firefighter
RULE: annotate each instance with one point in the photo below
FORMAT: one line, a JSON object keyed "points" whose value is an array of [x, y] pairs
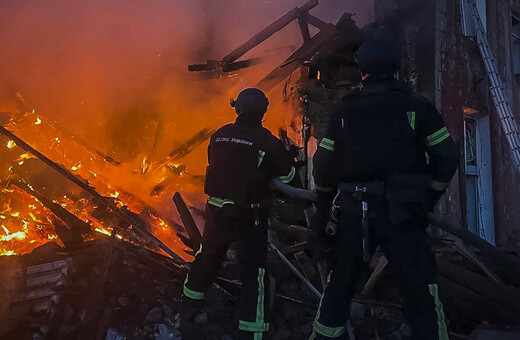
{"points": [[243, 158], [383, 164]]}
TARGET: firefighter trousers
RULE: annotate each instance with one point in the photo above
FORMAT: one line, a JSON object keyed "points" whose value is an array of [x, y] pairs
{"points": [[407, 248], [248, 229]]}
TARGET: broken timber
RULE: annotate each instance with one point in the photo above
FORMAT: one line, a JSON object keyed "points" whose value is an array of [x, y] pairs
{"points": [[228, 63], [303, 53], [132, 221], [188, 221], [512, 273], [185, 148]]}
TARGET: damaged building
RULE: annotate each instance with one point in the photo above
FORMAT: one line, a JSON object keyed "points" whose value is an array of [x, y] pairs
{"points": [[95, 243]]}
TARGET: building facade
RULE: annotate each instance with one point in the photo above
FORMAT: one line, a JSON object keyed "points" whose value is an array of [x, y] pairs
{"points": [[443, 62]]}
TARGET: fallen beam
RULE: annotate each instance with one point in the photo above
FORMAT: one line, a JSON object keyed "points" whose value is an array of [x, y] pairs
{"points": [[76, 224], [187, 220], [134, 223], [294, 270], [381, 265], [501, 294], [513, 268], [185, 148]]}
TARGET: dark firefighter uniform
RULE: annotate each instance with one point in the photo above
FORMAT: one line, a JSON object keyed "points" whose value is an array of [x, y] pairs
{"points": [[387, 151], [243, 158]]}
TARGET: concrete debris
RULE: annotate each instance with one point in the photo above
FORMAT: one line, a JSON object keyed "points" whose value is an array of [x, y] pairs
{"points": [[492, 333], [201, 318], [155, 315], [112, 334]]}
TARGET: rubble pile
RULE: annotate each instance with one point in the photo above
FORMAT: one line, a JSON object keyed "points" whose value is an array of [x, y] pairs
{"points": [[81, 292], [111, 289]]}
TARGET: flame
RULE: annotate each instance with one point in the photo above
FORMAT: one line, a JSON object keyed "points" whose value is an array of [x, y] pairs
{"points": [[29, 224], [76, 166], [103, 231], [144, 165], [20, 235]]}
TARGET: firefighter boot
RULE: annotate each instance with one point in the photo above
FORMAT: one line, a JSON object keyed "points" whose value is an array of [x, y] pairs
{"points": [[189, 309]]}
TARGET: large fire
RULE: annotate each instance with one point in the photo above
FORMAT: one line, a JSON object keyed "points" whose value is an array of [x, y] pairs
{"points": [[121, 114], [27, 220]]}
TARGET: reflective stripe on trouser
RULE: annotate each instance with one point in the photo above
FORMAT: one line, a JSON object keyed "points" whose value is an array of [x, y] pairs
{"points": [[407, 248], [259, 325], [192, 294], [228, 224], [332, 313], [347, 267], [319, 328], [441, 324]]}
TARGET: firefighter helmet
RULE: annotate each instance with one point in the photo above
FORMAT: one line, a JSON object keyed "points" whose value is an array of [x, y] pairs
{"points": [[380, 53], [250, 100]]}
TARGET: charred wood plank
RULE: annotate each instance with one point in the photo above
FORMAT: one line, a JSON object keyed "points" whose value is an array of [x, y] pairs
{"points": [[316, 22], [295, 248], [304, 26], [308, 269], [185, 148], [512, 273], [475, 307], [76, 224], [470, 255], [501, 294], [187, 220], [381, 265]]}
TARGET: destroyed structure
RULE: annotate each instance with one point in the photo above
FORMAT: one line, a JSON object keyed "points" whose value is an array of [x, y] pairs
{"points": [[89, 260]]}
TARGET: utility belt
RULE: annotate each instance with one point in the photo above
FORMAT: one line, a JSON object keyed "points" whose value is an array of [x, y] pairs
{"points": [[363, 192], [220, 202], [255, 208]]}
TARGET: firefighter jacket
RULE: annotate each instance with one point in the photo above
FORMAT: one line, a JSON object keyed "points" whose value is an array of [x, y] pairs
{"points": [[243, 157], [386, 132]]}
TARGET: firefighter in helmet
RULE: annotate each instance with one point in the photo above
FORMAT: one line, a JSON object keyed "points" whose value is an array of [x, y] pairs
{"points": [[243, 158], [383, 164]]}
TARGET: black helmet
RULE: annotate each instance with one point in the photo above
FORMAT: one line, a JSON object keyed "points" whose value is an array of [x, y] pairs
{"points": [[250, 100], [380, 52]]}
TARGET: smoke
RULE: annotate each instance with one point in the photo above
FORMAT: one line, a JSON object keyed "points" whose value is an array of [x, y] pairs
{"points": [[115, 71]]}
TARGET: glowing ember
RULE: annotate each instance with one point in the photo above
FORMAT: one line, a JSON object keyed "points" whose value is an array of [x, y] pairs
{"points": [[11, 144], [76, 166], [115, 194], [20, 235], [38, 121], [144, 165], [103, 231]]}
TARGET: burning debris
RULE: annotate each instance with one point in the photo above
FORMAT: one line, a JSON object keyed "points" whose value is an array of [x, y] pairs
{"points": [[93, 250]]}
